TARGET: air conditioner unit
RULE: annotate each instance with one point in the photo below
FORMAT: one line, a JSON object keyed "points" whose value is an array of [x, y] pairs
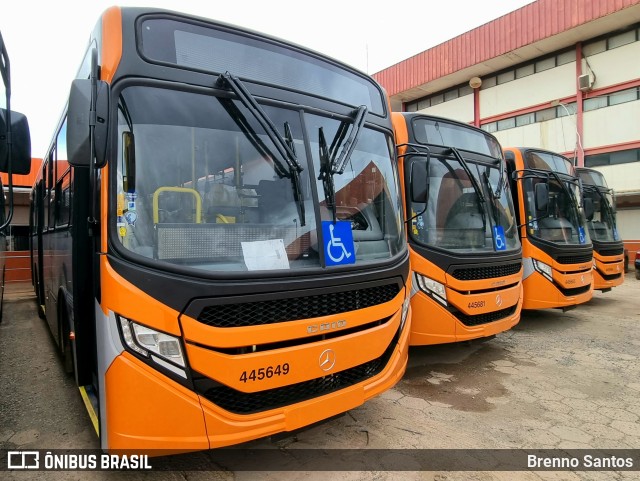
{"points": [[585, 82]]}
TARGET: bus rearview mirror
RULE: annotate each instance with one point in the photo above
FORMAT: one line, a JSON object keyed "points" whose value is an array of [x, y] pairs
{"points": [[20, 145], [542, 196], [588, 208], [78, 123], [419, 182], [129, 145]]}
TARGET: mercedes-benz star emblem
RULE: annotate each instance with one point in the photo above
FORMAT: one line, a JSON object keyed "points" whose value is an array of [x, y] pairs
{"points": [[327, 360], [498, 300]]}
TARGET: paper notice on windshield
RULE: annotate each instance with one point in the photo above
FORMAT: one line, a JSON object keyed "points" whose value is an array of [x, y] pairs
{"points": [[265, 255]]}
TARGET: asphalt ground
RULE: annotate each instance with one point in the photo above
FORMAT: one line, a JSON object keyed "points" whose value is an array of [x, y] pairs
{"points": [[557, 380]]}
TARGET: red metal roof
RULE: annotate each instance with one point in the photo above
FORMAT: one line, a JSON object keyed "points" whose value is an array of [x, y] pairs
{"points": [[527, 25]]}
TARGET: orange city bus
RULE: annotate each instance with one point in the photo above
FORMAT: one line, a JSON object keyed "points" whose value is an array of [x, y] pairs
{"points": [[220, 252], [15, 157], [556, 249], [608, 248], [465, 252]]}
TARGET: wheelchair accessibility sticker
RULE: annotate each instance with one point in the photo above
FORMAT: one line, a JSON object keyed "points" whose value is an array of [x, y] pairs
{"points": [[499, 241], [581, 236], [338, 241]]}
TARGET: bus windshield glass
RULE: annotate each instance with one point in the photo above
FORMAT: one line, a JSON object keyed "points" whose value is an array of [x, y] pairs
{"points": [[446, 134], [562, 220], [461, 215], [201, 47], [602, 224], [211, 191]]}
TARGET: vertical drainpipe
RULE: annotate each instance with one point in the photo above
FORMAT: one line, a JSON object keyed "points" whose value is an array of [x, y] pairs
{"points": [[476, 107], [475, 83], [579, 109]]}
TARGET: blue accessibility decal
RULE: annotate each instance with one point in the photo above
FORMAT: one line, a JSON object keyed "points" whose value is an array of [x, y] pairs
{"points": [[581, 236], [338, 243], [499, 241]]}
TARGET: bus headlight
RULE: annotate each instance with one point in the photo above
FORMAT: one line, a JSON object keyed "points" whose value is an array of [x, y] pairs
{"points": [[433, 288], [405, 312], [543, 269], [154, 345]]}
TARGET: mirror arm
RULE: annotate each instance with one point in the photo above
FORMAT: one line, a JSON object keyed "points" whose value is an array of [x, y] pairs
{"points": [[92, 221]]}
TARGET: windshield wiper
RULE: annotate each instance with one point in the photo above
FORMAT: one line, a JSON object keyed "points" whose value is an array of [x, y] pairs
{"points": [[474, 182], [295, 175], [326, 174], [329, 164], [285, 154]]}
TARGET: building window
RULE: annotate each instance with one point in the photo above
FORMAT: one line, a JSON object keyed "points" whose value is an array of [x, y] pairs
{"points": [[545, 64], [505, 124], [615, 98], [594, 48], [623, 96], [488, 82], [563, 110], [525, 119], [621, 39], [490, 127], [465, 90], [505, 77], [450, 95], [595, 103], [424, 104], [612, 158], [566, 57], [525, 71], [546, 114]]}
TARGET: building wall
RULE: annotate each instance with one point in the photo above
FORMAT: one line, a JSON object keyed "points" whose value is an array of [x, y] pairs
{"points": [[628, 221], [460, 109], [538, 88], [613, 125], [613, 66]]}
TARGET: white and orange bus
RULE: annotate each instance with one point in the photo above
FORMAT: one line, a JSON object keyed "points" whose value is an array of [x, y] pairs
{"points": [[608, 248], [556, 249], [220, 250], [465, 252]]}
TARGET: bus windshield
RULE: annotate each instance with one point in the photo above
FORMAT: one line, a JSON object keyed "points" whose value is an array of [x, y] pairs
{"points": [[602, 224], [562, 220], [211, 191], [461, 215]]}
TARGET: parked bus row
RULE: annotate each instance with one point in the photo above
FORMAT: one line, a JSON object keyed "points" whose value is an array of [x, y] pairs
{"points": [[233, 236]]}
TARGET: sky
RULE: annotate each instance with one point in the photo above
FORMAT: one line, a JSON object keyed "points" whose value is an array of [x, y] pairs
{"points": [[46, 40]]}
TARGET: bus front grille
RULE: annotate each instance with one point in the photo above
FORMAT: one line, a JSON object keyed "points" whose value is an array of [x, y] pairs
{"points": [[575, 259], [246, 403], [292, 309], [486, 272]]}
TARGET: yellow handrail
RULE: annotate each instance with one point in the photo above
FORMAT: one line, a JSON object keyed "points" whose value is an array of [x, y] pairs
{"points": [[156, 216]]}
